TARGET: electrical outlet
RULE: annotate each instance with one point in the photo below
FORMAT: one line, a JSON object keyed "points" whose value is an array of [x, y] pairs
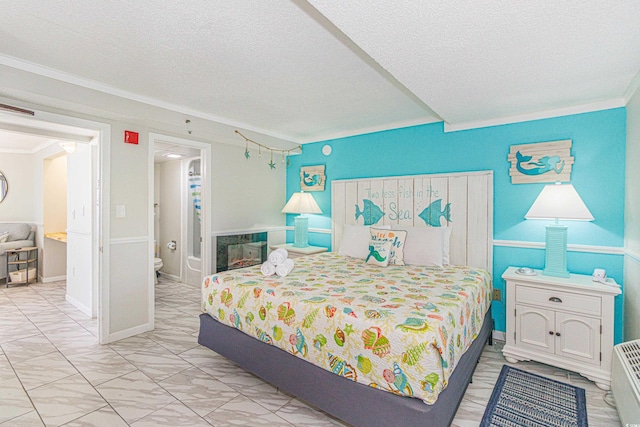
{"points": [[496, 295]]}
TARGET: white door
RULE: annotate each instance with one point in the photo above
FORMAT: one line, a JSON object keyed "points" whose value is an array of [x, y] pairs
{"points": [[80, 211]]}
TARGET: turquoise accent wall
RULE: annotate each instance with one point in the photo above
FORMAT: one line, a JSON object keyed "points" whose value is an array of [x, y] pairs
{"points": [[598, 175]]}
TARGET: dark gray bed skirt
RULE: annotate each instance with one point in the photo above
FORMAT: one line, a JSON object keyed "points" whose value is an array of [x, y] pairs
{"points": [[355, 403]]}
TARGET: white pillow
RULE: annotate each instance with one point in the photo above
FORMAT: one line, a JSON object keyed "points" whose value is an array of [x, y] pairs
{"points": [[423, 246], [4, 237], [355, 240], [446, 244]]}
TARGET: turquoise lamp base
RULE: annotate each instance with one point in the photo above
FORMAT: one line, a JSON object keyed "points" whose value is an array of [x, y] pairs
{"points": [[301, 237], [556, 251]]}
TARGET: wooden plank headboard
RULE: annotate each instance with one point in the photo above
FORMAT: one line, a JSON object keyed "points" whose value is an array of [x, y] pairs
{"points": [[422, 201]]}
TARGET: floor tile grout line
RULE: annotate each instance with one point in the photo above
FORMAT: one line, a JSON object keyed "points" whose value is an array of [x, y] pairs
{"points": [[97, 410], [78, 372], [33, 406]]}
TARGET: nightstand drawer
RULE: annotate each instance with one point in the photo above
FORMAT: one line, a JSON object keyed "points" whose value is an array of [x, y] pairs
{"points": [[585, 304]]}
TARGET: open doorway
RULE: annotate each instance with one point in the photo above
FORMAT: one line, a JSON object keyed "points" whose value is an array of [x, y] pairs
{"points": [[179, 197], [72, 175]]}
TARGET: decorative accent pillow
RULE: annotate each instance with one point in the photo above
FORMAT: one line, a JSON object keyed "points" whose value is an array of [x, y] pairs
{"points": [[423, 246], [379, 252], [355, 240], [397, 239], [4, 237]]}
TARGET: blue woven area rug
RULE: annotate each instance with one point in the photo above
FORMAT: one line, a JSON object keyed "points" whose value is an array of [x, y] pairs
{"points": [[522, 399]]}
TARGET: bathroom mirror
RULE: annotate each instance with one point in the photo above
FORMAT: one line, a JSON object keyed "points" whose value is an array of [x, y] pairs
{"points": [[4, 186]]}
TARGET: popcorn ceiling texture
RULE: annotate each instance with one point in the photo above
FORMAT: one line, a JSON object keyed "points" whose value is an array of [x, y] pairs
{"points": [[487, 59], [308, 71]]}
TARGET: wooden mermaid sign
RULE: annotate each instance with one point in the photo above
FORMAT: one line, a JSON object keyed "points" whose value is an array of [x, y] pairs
{"points": [[312, 178], [541, 162]]}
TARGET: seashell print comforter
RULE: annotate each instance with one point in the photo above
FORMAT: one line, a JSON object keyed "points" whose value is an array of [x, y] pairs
{"points": [[401, 329]]}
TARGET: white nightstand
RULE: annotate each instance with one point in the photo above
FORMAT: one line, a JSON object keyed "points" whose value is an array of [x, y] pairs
{"points": [[564, 322], [298, 252]]}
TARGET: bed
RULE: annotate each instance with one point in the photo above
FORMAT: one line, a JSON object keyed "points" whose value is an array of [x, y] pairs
{"points": [[326, 332]]}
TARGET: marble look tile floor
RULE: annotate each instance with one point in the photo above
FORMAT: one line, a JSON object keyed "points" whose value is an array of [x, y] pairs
{"points": [[54, 373]]}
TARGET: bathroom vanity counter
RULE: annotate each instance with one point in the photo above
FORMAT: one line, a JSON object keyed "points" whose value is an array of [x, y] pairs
{"points": [[60, 236]]}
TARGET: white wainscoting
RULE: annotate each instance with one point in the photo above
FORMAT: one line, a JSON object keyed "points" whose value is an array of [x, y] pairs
{"points": [[130, 276]]}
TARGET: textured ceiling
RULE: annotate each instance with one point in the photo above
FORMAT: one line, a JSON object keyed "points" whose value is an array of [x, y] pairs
{"points": [[296, 71], [488, 59]]}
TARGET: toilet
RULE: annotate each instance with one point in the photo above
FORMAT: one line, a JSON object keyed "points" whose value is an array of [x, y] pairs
{"points": [[157, 262], [157, 265]]}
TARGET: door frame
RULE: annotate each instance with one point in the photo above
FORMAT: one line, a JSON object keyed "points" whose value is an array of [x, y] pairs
{"points": [[205, 213], [100, 171]]}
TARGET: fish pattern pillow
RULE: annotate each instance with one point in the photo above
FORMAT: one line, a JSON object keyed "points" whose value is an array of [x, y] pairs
{"points": [[379, 252], [397, 239]]}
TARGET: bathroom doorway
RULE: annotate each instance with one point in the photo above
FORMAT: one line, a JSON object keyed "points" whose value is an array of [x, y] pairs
{"points": [[179, 210]]}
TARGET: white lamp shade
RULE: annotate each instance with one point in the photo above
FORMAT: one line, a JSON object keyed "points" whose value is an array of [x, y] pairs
{"points": [[559, 201], [301, 203]]}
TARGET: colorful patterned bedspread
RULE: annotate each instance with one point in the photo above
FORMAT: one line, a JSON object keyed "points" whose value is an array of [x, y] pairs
{"points": [[398, 328]]}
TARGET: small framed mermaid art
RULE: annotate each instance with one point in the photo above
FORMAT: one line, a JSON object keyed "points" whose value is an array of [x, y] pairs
{"points": [[541, 162], [312, 178]]}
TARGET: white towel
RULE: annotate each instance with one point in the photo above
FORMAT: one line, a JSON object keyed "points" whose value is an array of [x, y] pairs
{"points": [[278, 256], [268, 269], [285, 268]]}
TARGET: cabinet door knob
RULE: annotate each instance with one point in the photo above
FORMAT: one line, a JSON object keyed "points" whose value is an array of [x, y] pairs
{"points": [[557, 334], [555, 299], [550, 332]]}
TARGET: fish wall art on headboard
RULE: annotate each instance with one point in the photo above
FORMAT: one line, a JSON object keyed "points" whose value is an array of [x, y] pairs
{"points": [[541, 162], [372, 213], [312, 178], [462, 201]]}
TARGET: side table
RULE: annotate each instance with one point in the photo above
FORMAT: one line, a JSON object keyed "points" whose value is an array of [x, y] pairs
{"points": [[24, 262], [563, 322]]}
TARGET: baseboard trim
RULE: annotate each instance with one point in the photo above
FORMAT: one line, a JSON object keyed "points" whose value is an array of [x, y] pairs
{"points": [[170, 276], [52, 279], [129, 333], [83, 308], [499, 336]]}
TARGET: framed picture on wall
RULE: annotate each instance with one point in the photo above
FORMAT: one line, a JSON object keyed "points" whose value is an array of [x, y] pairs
{"points": [[541, 162], [312, 178]]}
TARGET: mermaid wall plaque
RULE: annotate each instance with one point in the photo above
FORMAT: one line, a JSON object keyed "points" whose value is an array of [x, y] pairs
{"points": [[312, 178], [541, 162]]}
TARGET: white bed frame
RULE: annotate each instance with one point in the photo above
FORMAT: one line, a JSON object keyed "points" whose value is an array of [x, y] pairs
{"points": [[403, 198]]}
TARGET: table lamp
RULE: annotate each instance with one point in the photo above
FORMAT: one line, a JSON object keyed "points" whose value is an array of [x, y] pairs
{"points": [[301, 203], [558, 201]]}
